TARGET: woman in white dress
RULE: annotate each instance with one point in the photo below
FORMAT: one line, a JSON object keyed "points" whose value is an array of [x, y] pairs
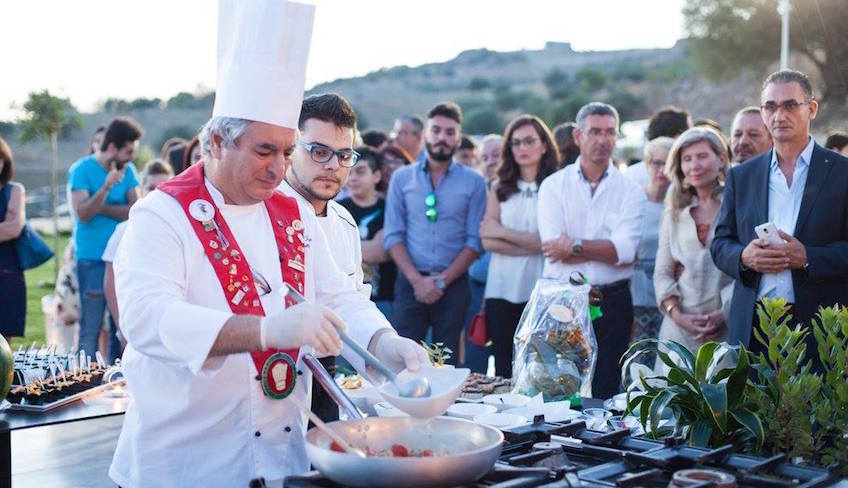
{"points": [[696, 300], [510, 230]]}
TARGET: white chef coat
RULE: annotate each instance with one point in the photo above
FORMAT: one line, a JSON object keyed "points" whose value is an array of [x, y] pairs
{"points": [[341, 232], [206, 422], [614, 213]]}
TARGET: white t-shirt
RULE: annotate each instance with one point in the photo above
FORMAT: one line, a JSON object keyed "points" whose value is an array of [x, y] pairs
{"points": [[114, 241]]}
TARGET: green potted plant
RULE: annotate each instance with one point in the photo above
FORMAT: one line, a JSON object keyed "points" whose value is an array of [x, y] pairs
{"points": [[710, 403], [805, 414]]}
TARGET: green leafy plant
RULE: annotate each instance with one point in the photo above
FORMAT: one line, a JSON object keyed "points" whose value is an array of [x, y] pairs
{"points": [[831, 333], [785, 390], [805, 414], [710, 404], [438, 353]]}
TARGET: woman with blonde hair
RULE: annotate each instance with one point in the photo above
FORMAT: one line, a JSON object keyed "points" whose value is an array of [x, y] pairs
{"points": [[693, 294]]}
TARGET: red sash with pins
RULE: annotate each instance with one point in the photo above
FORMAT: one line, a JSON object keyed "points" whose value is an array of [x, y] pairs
{"points": [[238, 279]]}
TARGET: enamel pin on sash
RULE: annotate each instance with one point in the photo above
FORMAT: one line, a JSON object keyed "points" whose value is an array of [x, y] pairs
{"points": [[278, 375], [203, 212]]}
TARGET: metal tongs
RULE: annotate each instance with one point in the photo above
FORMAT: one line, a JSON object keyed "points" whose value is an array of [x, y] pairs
{"points": [[418, 387]]}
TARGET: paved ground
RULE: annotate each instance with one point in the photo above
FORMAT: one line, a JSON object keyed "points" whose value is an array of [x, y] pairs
{"points": [[73, 455]]}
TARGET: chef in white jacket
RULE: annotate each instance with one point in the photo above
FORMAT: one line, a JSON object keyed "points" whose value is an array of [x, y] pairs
{"points": [[214, 347]]}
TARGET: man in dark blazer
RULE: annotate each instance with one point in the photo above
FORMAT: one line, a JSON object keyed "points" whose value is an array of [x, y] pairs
{"points": [[803, 189]]}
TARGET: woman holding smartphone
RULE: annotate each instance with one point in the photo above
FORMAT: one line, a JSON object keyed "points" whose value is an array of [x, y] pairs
{"points": [[695, 302]]}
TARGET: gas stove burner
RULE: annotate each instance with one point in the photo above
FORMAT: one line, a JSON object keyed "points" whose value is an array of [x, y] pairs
{"points": [[568, 455], [703, 477]]}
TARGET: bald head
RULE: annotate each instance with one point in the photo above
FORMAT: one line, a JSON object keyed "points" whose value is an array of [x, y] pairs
{"points": [[748, 135]]}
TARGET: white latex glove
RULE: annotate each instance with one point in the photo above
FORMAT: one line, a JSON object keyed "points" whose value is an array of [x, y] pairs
{"points": [[304, 324], [398, 352]]}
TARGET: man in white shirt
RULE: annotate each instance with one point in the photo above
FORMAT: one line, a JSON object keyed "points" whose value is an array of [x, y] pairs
{"points": [[215, 345], [318, 171], [589, 221]]}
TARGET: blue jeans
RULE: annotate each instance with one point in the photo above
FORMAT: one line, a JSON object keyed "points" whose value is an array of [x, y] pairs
{"points": [[92, 309]]}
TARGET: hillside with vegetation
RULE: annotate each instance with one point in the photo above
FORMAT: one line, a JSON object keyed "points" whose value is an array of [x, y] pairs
{"points": [[490, 86]]}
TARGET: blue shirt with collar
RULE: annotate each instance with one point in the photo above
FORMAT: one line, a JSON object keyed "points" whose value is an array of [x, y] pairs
{"points": [[460, 205], [784, 204]]}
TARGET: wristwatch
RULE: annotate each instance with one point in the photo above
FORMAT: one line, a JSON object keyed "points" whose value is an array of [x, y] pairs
{"points": [[440, 283], [577, 247]]}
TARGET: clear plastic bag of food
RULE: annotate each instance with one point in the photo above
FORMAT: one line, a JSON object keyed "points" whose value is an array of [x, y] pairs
{"points": [[555, 348]]}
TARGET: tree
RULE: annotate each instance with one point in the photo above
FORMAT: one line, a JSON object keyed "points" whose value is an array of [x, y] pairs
{"points": [[727, 35], [47, 117], [482, 120]]}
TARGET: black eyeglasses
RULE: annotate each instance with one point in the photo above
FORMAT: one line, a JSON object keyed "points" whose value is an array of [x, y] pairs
{"points": [[789, 106], [430, 201], [322, 154], [527, 141]]}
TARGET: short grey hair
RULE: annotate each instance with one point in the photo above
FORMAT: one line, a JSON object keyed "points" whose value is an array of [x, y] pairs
{"points": [[596, 108], [416, 122], [228, 128], [789, 76]]}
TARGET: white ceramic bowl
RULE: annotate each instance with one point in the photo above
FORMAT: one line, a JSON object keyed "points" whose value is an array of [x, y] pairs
{"points": [[445, 387], [553, 411], [469, 410], [504, 401], [501, 420]]}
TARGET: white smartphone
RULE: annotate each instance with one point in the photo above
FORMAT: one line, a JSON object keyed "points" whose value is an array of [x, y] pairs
{"points": [[768, 232]]}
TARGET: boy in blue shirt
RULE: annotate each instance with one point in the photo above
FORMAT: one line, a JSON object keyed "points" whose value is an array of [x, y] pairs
{"points": [[103, 186]]}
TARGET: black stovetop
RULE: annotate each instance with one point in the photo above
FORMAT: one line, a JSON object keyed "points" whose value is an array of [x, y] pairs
{"points": [[569, 455]]}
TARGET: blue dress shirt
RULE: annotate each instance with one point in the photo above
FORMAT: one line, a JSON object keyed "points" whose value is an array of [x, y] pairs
{"points": [[460, 205]]}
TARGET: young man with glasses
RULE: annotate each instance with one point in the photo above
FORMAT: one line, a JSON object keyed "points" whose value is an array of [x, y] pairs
{"points": [[433, 213], [798, 186], [319, 169], [590, 218]]}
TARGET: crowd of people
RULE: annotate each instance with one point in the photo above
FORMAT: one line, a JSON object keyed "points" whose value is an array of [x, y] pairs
{"points": [[437, 225]]}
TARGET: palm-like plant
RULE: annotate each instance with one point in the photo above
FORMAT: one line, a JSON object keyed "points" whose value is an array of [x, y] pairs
{"points": [[47, 117], [710, 404]]}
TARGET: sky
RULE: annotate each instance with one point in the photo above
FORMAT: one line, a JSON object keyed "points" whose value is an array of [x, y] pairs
{"points": [[90, 50]]}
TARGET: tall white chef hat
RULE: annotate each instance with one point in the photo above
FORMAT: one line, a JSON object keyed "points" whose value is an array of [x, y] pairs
{"points": [[263, 46]]}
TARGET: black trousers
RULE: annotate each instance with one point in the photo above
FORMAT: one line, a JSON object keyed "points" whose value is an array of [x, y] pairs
{"points": [[612, 332], [446, 317], [502, 319]]}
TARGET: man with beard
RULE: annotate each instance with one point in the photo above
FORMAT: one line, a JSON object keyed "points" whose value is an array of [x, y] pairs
{"points": [[433, 213], [320, 165], [103, 186], [590, 221], [748, 135]]}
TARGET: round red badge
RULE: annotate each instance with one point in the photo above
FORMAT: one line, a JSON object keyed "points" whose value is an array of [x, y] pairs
{"points": [[278, 375]]}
